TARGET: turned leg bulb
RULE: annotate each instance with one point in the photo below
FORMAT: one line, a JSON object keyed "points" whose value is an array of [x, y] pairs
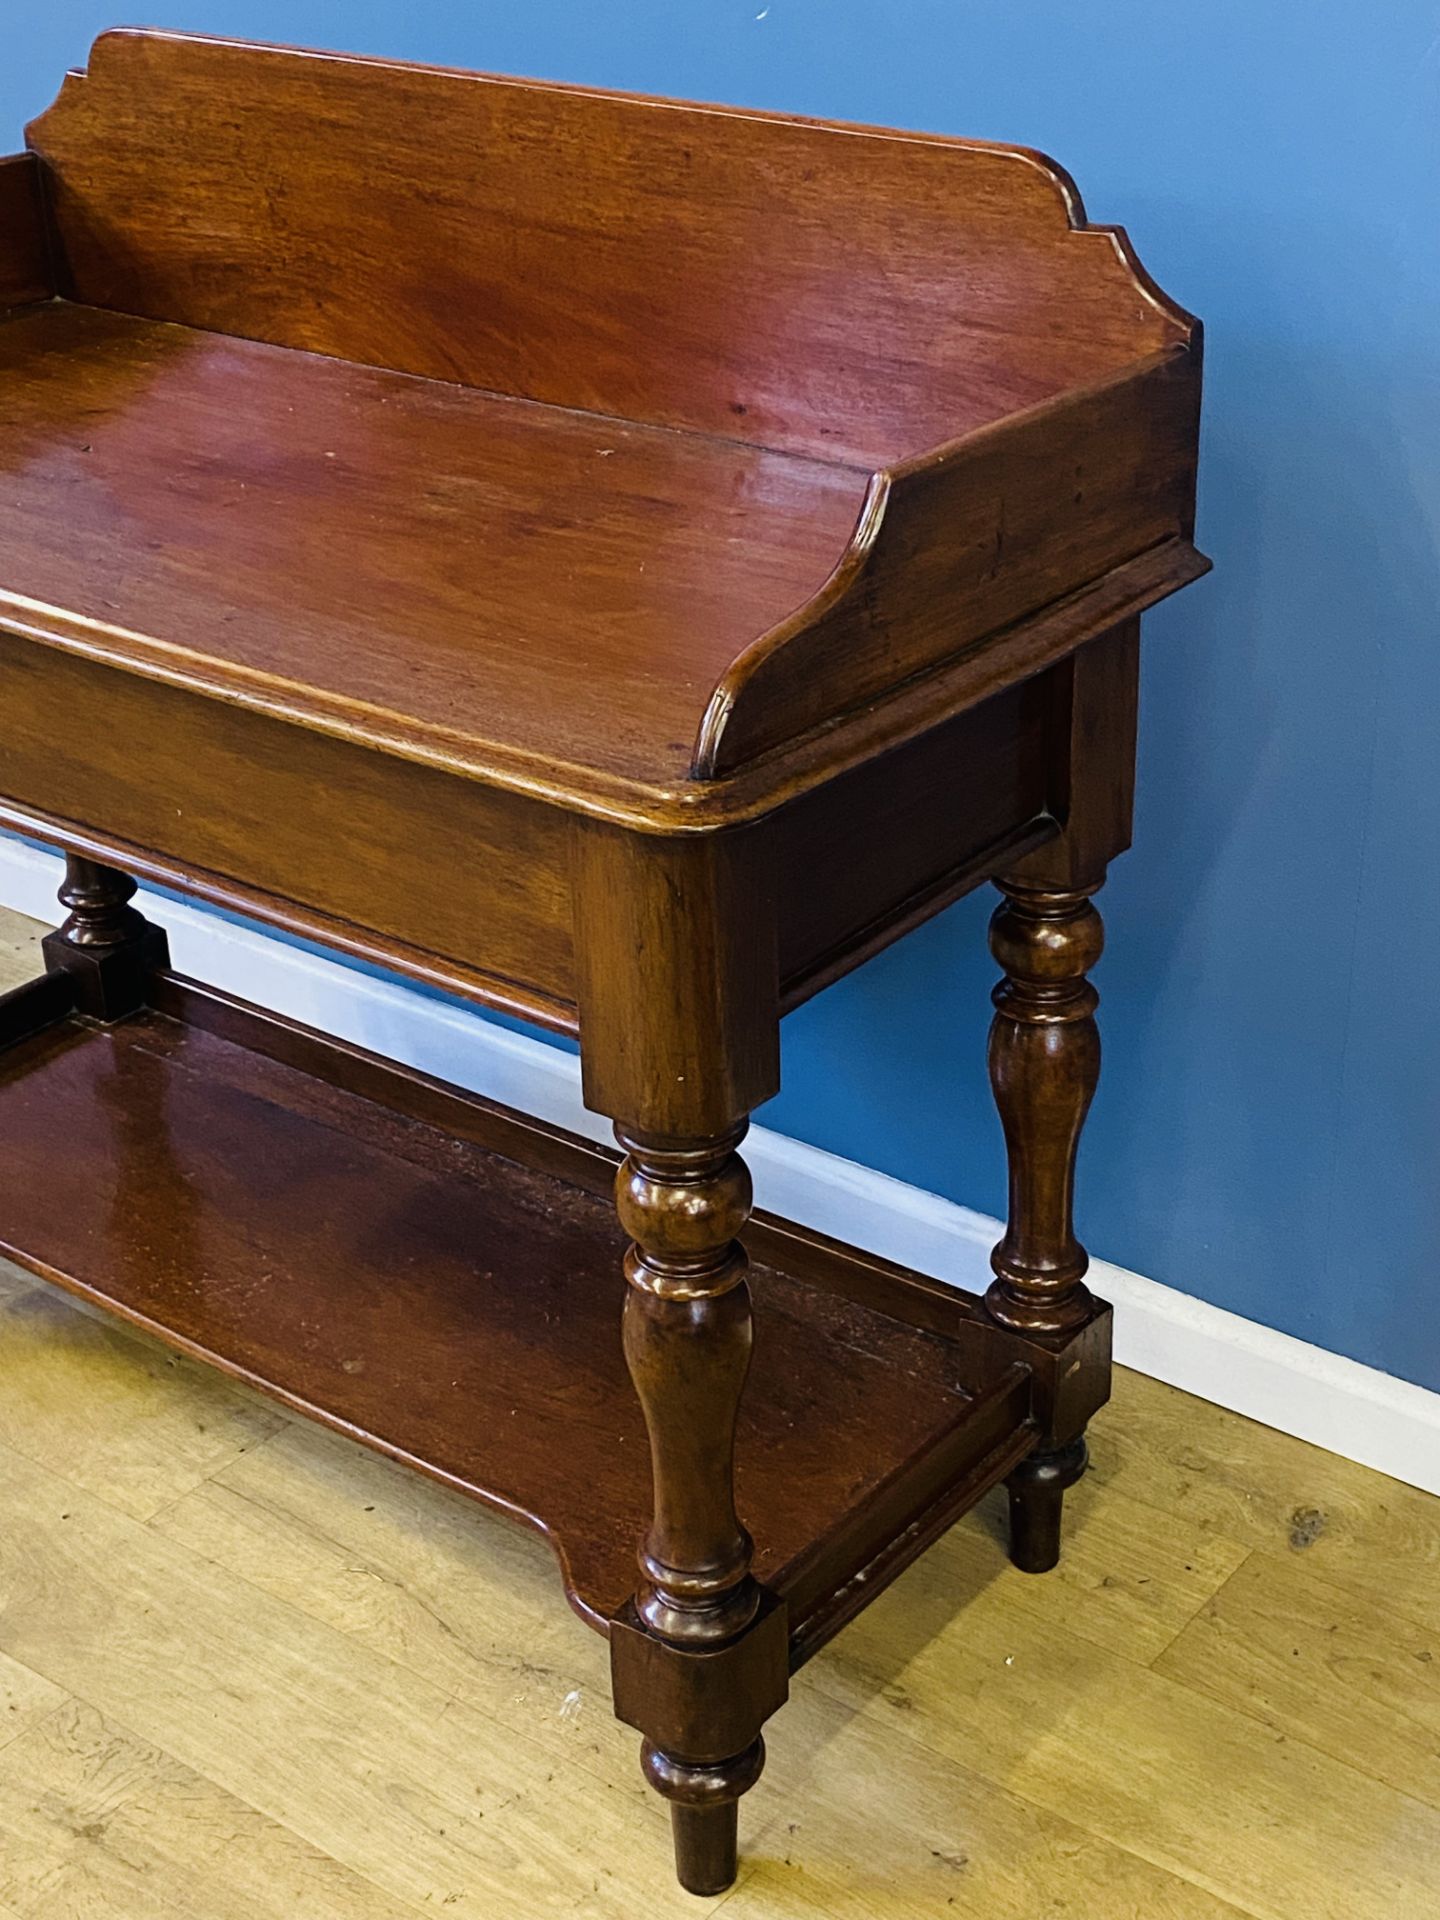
{"points": [[106, 946], [1044, 1065], [704, 1811], [687, 1338], [98, 902]]}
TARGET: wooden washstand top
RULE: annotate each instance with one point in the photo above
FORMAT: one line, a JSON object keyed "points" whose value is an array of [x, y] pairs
{"points": [[653, 459]]}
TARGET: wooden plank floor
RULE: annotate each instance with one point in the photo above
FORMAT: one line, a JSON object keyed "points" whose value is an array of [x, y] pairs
{"points": [[248, 1672]]}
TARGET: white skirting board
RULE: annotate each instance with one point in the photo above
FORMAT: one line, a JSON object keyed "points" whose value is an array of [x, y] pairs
{"points": [[1350, 1409]]}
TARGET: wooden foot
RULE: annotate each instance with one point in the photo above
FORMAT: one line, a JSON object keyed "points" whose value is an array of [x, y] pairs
{"points": [[1037, 1490], [108, 948], [1044, 1064], [704, 1812]]}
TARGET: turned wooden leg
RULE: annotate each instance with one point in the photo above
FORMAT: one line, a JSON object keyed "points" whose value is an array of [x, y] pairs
{"points": [[687, 1334], [703, 1812], [1044, 1064], [678, 994], [106, 946], [1037, 1490]]}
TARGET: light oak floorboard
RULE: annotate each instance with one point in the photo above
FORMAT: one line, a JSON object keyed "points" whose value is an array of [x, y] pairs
{"points": [[20, 956], [406, 1568], [423, 1578], [1130, 1578], [25, 1697], [96, 1822], [1354, 1528], [886, 1828], [432, 1800], [1202, 1789], [334, 1519], [1314, 1663], [149, 1424]]}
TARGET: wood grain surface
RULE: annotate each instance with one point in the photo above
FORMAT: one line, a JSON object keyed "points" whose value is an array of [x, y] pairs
{"points": [[586, 444], [843, 291], [400, 548]]}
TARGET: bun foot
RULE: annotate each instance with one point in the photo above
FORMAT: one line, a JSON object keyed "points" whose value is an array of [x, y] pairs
{"points": [[1037, 1496], [704, 1813]]}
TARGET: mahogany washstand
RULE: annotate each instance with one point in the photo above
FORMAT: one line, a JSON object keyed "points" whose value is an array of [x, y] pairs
{"points": [[625, 563]]}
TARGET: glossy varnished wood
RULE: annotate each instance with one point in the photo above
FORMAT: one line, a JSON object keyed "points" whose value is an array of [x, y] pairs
{"points": [[34, 1005], [785, 282], [689, 1334], [448, 881], [477, 890], [710, 596], [960, 542], [907, 830], [1184, 1621], [399, 552], [581, 607], [1044, 1065], [430, 1293]]}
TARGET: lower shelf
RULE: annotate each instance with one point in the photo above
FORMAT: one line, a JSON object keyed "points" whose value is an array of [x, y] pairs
{"points": [[440, 1278]]}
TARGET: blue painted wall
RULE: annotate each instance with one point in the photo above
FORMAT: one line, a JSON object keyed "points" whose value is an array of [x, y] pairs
{"points": [[1268, 1132]]}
